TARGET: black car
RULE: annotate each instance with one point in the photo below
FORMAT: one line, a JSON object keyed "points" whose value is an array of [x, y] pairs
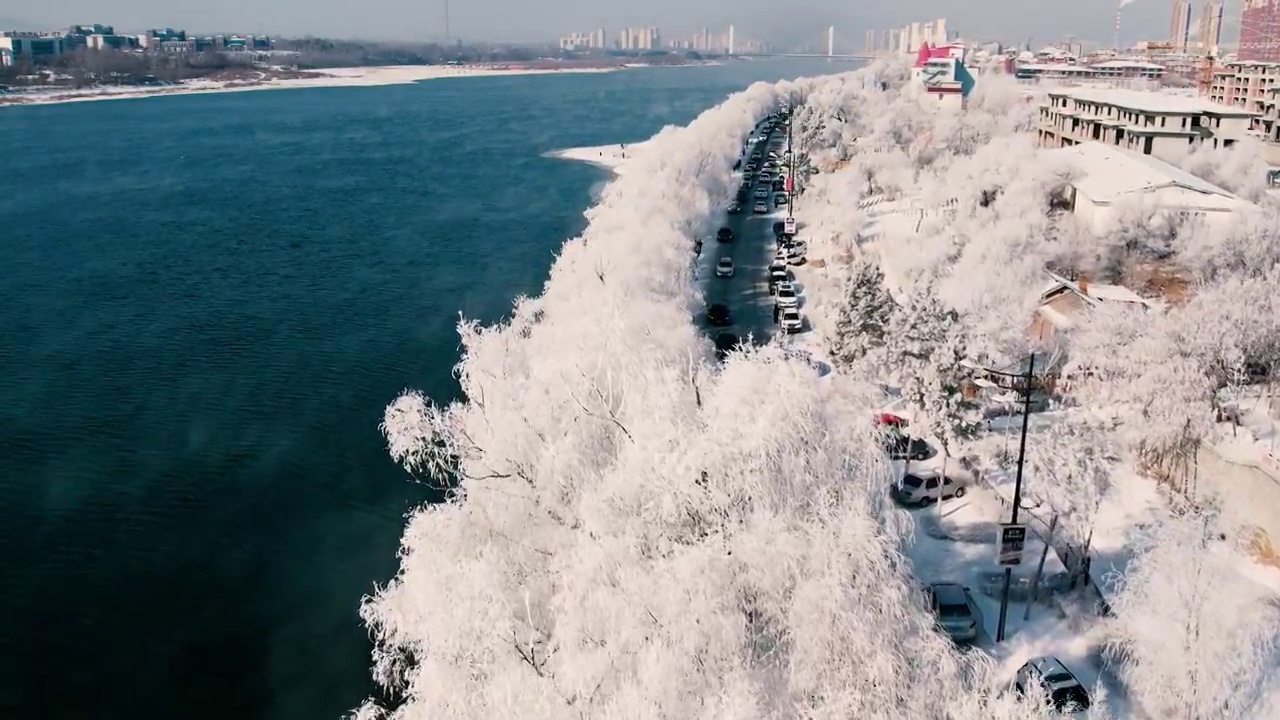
{"points": [[778, 227], [724, 234], [725, 343], [735, 208], [718, 315], [905, 447]]}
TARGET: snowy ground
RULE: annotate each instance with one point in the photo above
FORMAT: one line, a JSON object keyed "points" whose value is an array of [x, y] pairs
{"points": [[614, 157], [955, 541], [334, 77]]}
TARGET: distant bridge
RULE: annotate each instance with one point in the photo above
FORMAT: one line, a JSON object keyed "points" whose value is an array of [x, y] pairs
{"points": [[825, 44], [808, 55]]}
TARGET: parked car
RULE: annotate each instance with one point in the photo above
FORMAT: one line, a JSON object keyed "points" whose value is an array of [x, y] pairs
{"points": [[1049, 676], [735, 207], [765, 175], [791, 321], [776, 278], [905, 447], [927, 488], [779, 199], [725, 342], [787, 296], [956, 612], [724, 268], [762, 194], [778, 227], [1039, 403], [718, 315], [724, 234], [760, 207]]}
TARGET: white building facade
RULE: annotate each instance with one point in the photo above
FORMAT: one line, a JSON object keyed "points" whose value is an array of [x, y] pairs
{"points": [[1144, 122]]}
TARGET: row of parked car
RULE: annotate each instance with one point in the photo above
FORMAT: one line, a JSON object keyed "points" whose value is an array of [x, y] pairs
{"points": [[763, 179]]}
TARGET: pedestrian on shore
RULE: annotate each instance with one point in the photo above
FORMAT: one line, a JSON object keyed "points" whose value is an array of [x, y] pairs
{"points": [[776, 314]]}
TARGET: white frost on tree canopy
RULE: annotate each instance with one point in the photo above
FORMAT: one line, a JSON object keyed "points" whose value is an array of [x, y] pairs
{"points": [[635, 534]]}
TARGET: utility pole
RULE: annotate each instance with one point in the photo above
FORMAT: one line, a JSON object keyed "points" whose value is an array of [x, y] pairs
{"points": [[1017, 487]]}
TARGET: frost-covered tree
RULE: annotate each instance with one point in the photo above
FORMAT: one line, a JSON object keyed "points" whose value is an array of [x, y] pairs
{"points": [[1068, 471], [1195, 639], [862, 319], [918, 327], [938, 390], [638, 533]]}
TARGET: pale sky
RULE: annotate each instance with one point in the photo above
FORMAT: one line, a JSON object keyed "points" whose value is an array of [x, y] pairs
{"points": [[782, 21]]}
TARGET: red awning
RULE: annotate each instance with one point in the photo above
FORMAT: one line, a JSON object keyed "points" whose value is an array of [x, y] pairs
{"points": [[891, 419]]}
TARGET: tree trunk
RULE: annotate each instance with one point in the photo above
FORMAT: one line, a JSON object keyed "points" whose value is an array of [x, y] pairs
{"points": [[1035, 581]]}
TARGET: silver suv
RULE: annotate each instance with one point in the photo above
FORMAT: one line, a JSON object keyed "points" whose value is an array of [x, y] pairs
{"points": [[957, 613]]}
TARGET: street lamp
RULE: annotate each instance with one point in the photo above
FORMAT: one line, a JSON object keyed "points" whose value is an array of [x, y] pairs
{"points": [[1027, 378]]}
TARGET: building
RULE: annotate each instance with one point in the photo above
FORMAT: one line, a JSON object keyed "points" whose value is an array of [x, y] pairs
{"points": [[111, 42], [1065, 304], [6, 57], [1259, 31], [1145, 122], [1209, 35], [640, 38], [942, 72], [584, 41], [1109, 179], [33, 47], [1244, 84], [1180, 25], [912, 36], [152, 39]]}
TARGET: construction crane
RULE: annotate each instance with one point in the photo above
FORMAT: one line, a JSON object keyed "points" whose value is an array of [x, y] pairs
{"points": [[1208, 64]]}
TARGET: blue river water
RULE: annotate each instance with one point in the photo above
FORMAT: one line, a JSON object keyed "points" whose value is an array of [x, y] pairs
{"points": [[208, 301]]}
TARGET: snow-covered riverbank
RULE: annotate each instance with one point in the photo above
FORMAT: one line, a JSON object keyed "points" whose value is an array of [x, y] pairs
{"points": [[332, 77], [614, 157]]}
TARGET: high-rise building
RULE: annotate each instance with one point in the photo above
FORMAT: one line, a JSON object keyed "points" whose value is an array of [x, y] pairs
{"points": [[912, 36], [1180, 25], [639, 38], [871, 42], [1260, 31], [1209, 33]]}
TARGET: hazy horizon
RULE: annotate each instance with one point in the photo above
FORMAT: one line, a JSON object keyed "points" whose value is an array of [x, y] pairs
{"points": [[798, 22]]}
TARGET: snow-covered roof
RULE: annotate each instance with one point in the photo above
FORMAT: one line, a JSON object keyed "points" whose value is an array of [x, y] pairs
{"points": [[1150, 102], [1127, 64], [1109, 173], [1094, 293]]}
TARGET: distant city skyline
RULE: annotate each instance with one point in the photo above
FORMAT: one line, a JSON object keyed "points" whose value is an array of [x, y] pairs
{"points": [[802, 21]]}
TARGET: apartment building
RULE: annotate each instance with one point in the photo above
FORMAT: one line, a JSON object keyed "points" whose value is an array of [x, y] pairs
{"points": [[584, 41], [640, 38], [1144, 122], [1244, 84], [1259, 31], [1180, 25]]}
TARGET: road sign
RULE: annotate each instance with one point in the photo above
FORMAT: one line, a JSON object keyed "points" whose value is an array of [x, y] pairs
{"points": [[1012, 540], [789, 226]]}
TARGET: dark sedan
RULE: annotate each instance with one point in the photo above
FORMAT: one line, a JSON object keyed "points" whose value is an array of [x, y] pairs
{"points": [[718, 315]]}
